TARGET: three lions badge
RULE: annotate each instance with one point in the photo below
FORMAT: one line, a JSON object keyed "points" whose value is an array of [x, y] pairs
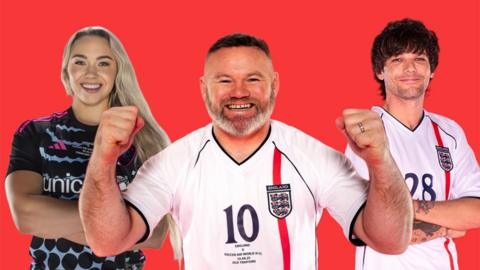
{"points": [[444, 158], [279, 200]]}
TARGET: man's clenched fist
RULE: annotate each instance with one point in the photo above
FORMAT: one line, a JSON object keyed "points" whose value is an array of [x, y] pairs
{"points": [[115, 134], [365, 133]]}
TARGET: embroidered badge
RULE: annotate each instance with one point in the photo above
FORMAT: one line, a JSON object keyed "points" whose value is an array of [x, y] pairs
{"points": [[444, 158], [279, 200]]}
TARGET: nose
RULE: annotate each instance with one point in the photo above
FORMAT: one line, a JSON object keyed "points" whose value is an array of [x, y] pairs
{"points": [[91, 71], [409, 66], [240, 90]]}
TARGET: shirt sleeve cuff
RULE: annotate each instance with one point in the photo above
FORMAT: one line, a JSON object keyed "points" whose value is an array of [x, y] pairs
{"points": [[351, 237], [147, 231]]}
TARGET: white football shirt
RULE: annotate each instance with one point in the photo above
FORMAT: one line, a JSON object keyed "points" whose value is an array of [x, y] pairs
{"points": [[425, 159], [252, 215]]}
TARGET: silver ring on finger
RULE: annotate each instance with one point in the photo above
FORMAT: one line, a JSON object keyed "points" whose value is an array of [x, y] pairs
{"points": [[361, 127]]}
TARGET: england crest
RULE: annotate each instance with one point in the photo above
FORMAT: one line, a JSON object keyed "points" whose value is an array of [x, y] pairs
{"points": [[279, 200], [444, 158]]}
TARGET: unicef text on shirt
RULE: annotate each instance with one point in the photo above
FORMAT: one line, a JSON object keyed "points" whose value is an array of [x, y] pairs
{"points": [[69, 184]]}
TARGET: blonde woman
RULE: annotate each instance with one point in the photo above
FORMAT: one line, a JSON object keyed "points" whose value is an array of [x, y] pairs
{"points": [[50, 154]]}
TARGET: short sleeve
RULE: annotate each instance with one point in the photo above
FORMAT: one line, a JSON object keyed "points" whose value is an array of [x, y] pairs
{"points": [[358, 163], [151, 193], [466, 182], [25, 154], [346, 194]]}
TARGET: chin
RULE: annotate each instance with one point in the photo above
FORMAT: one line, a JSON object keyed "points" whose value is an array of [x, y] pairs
{"points": [[93, 102], [238, 128], [411, 94], [249, 128]]}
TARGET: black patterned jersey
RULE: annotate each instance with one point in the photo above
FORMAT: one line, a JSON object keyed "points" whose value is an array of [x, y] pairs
{"points": [[58, 147]]}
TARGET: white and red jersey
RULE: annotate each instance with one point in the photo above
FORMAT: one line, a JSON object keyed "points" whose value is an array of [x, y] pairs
{"points": [[438, 164], [258, 214]]}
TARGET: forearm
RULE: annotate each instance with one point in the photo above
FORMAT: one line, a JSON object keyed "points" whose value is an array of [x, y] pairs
{"points": [[103, 212], [460, 214], [47, 217], [78, 238], [155, 241], [387, 217], [38, 214], [423, 232]]}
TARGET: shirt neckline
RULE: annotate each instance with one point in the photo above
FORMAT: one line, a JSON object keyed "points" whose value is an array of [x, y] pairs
{"points": [[251, 155], [80, 124], [412, 130]]}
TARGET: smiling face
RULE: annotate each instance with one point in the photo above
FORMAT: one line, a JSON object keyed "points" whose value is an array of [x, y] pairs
{"points": [[91, 70], [406, 76], [239, 87]]}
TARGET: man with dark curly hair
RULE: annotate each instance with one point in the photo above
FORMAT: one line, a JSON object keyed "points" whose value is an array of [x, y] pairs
{"points": [[431, 151]]}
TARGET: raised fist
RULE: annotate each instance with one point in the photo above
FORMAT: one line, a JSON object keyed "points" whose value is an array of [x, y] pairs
{"points": [[116, 131], [365, 133]]}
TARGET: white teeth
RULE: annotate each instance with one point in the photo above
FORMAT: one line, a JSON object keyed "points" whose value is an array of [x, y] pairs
{"points": [[239, 106], [91, 85]]}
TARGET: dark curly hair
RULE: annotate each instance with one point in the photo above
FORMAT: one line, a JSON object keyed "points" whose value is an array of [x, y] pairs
{"points": [[403, 36]]}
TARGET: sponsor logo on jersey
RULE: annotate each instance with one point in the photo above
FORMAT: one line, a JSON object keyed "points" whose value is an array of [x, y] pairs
{"points": [[63, 185], [279, 200], [444, 158], [60, 145]]}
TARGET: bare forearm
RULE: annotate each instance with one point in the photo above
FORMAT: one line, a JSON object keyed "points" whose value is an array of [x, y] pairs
{"points": [[78, 238], [104, 214], [460, 214], [155, 241], [388, 213], [38, 214], [47, 217], [110, 227], [423, 232]]}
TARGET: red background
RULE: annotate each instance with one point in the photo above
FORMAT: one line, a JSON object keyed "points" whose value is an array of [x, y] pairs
{"points": [[321, 51]]}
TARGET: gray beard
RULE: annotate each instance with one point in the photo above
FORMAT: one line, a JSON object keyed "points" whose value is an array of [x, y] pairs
{"points": [[248, 126]]}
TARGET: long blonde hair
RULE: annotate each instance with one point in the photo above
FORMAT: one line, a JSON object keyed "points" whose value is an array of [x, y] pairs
{"points": [[151, 139]]}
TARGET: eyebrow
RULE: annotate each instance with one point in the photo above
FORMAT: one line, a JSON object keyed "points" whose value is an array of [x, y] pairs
{"points": [[219, 75], [98, 58], [255, 73]]}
